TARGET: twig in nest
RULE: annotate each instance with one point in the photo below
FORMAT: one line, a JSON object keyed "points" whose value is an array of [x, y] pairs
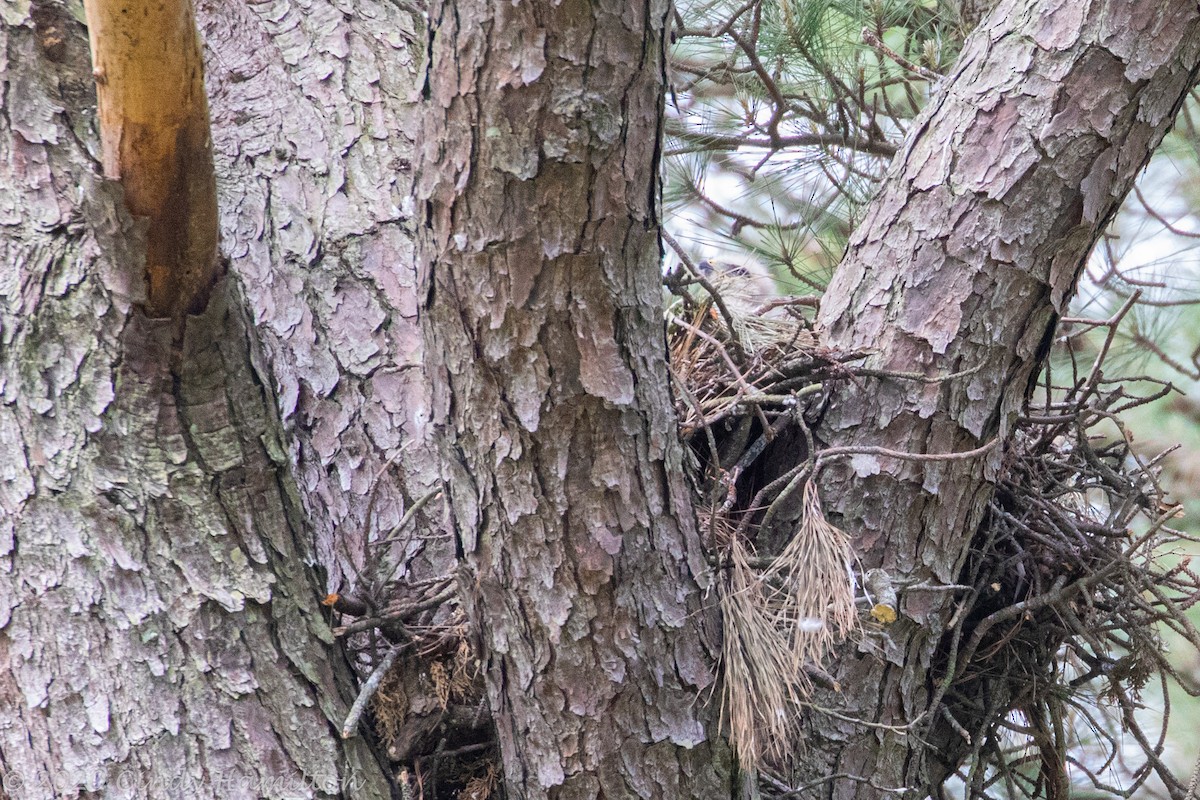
{"points": [[400, 614], [901, 730], [729, 362], [831, 452], [768, 521], [441, 755], [756, 448], [368, 691], [385, 568], [698, 277], [690, 398], [868, 372], [421, 502], [809, 301], [786, 482]]}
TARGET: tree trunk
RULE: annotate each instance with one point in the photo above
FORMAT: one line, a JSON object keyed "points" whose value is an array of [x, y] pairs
{"points": [[313, 109], [538, 173], [313, 120], [159, 628], [161, 632], [965, 261]]}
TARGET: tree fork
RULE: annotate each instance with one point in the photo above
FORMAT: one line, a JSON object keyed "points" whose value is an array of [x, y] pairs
{"points": [[963, 263], [155, 137]]}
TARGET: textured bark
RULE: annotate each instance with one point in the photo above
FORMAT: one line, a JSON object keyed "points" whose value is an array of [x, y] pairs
{"points": [[147, 515], [963, 264], [312, 106], [159, 631], [313, 113], [538, 174]]}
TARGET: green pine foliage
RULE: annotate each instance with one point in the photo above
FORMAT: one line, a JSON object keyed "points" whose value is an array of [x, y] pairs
{"points": [[783, 117]]}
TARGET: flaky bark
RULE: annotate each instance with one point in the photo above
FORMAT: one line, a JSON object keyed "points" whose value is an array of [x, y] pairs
{"points": [[147, 515], [159, 630], [313, 117], [538, 176], [312, 126], [963, 264]]}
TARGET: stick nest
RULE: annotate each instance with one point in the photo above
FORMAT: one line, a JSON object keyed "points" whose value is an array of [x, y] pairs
{"points": [[1063, 600], [1075, 576], [743, 375]]}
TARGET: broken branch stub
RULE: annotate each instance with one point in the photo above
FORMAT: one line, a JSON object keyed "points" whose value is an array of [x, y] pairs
{"points": [[154, 131]]}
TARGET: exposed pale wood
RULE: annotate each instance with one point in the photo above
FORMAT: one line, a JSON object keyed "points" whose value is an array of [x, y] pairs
{"points": [[155, 132]]}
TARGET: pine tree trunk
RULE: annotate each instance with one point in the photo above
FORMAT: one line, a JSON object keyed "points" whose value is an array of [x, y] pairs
{"points": [[966, 259], [313, 120], [538, 174], [313, 109], [160, 634]]}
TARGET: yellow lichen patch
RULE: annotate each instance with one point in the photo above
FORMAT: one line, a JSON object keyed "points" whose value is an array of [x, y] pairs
{"points": [[883, 614]]}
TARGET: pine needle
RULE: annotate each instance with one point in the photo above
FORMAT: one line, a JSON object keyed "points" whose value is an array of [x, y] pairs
{"points": [[777, 621]]}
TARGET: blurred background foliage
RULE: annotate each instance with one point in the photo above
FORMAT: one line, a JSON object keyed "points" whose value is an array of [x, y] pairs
{"points": [[783, 117]]}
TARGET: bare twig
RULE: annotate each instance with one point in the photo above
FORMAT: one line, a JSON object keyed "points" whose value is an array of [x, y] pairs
{"points": [[368, 691]]}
